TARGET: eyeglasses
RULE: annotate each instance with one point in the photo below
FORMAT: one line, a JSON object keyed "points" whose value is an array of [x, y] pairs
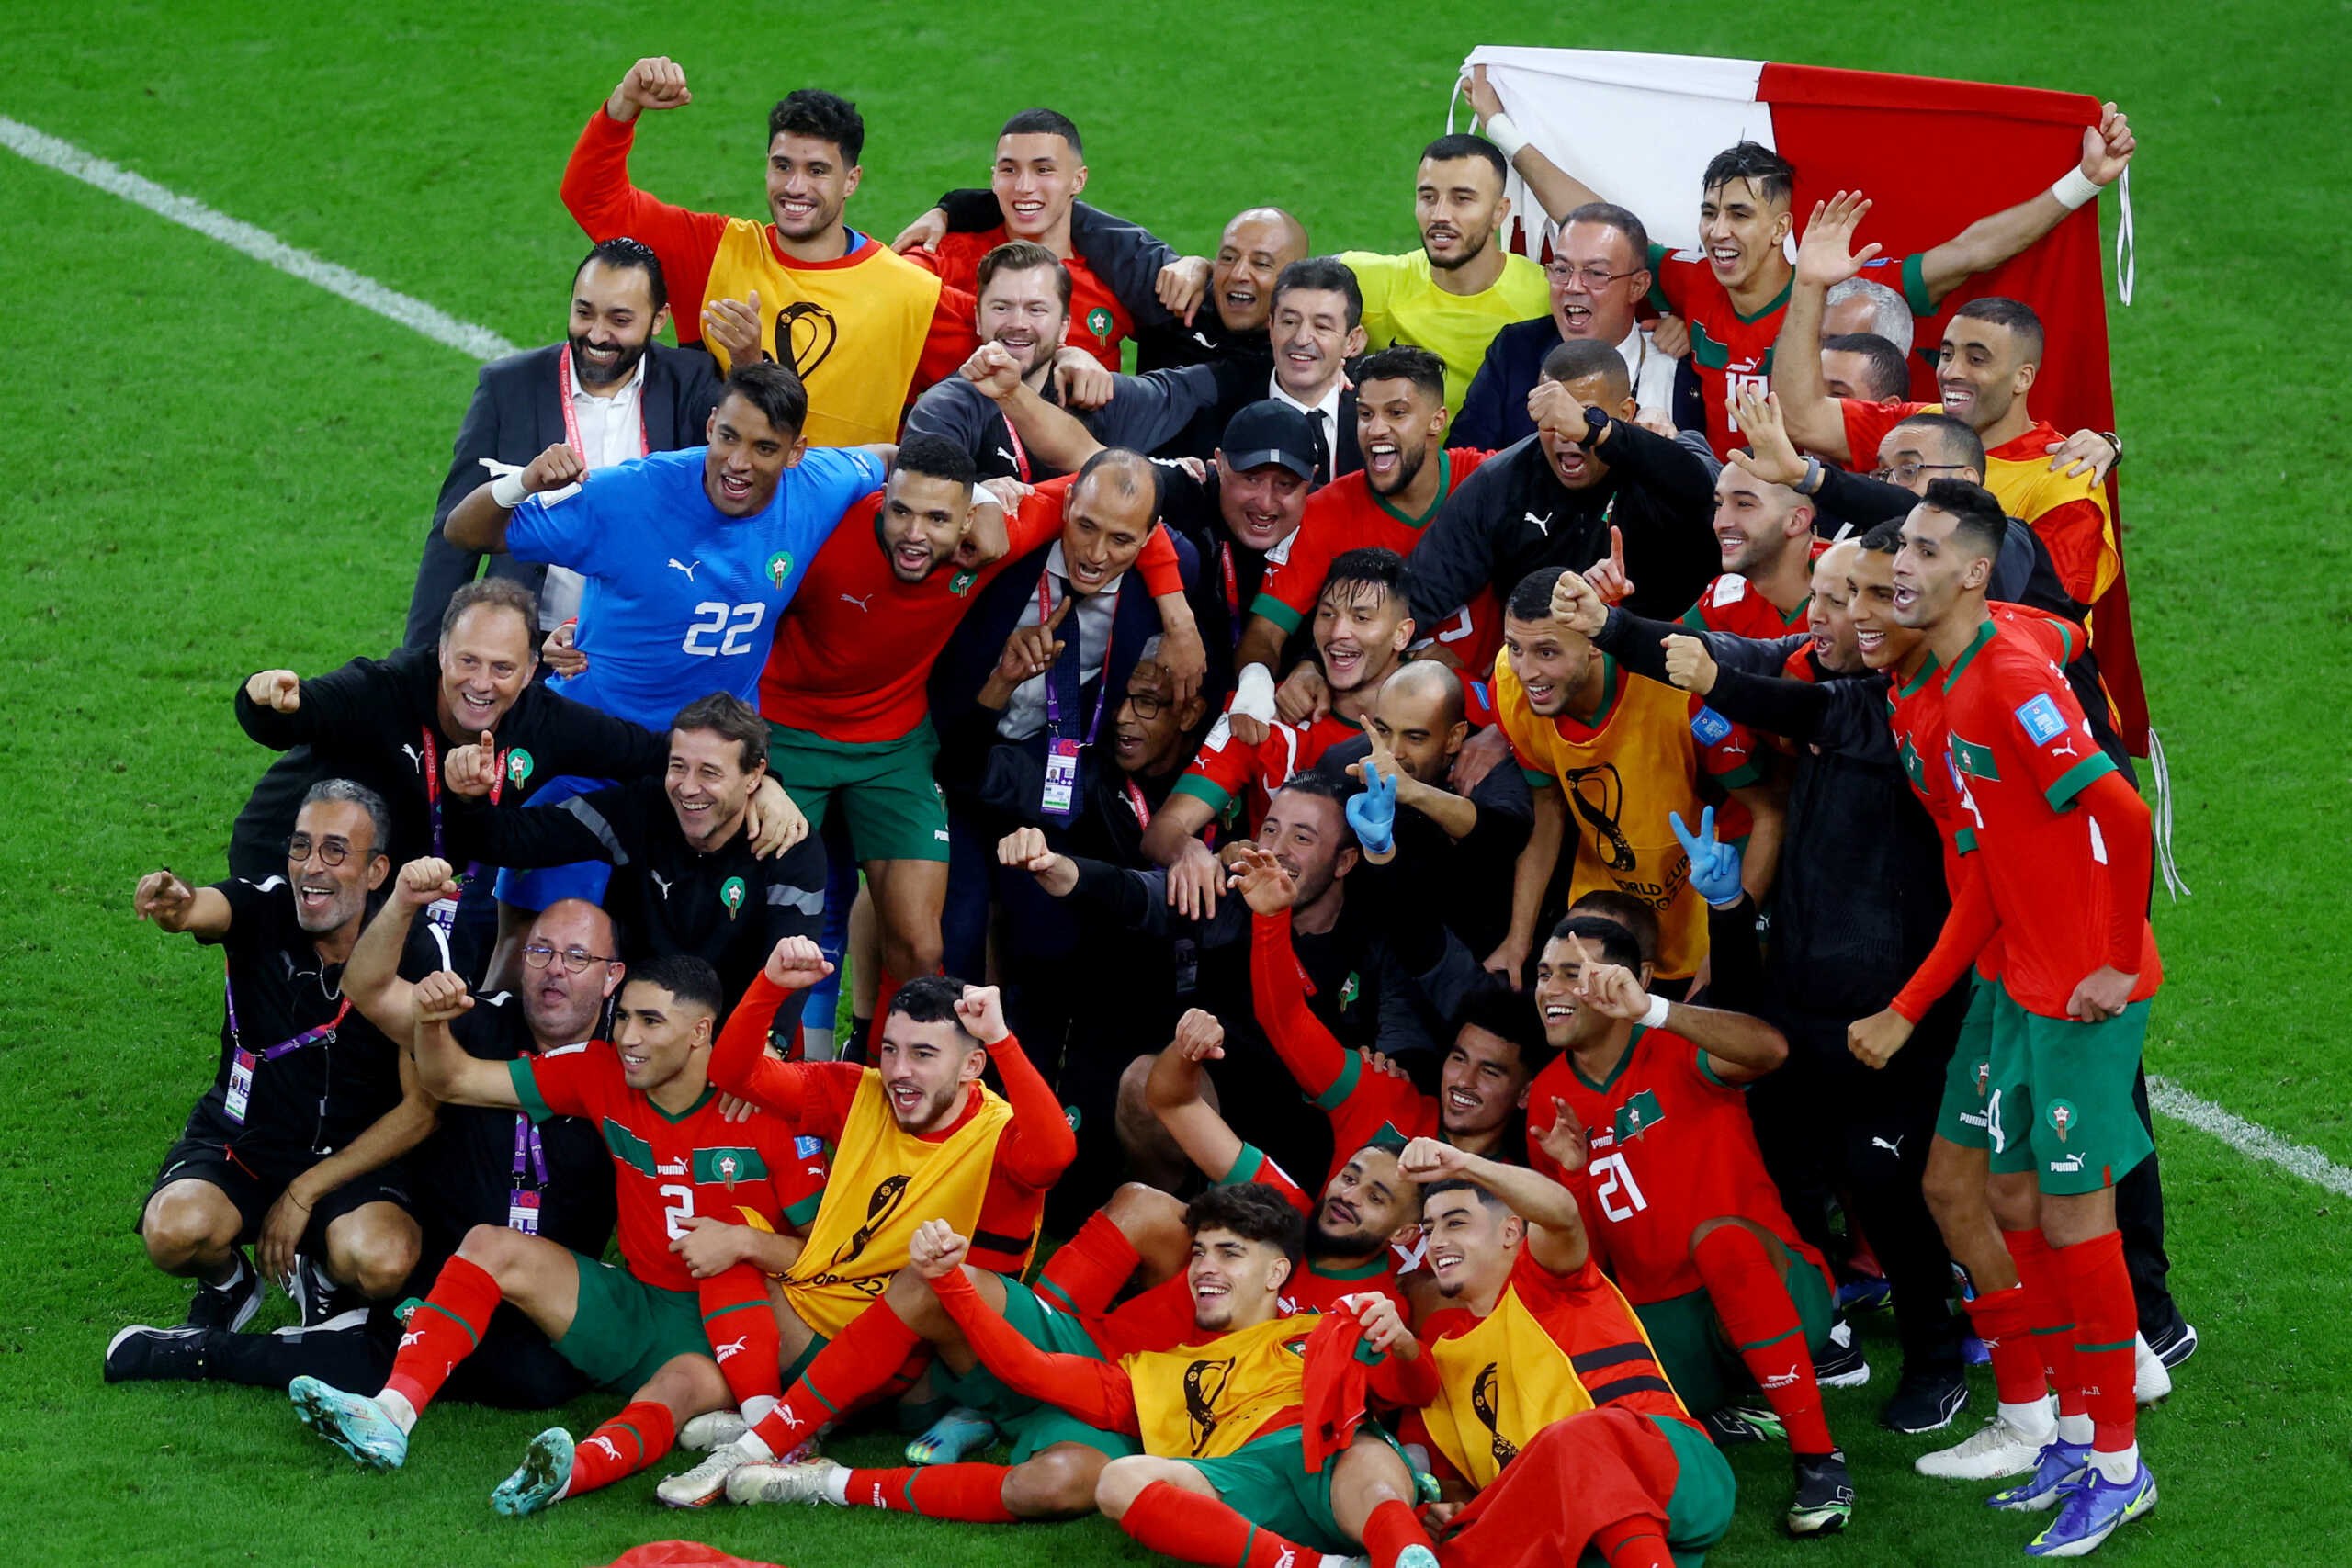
{"points": [[1147, 704], [1595, 277], [1907, 472], [331, 850], [538, 955]]}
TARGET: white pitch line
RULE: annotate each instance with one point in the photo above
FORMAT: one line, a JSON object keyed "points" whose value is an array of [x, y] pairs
{"points": [[263, 246], [2250, 1139]]}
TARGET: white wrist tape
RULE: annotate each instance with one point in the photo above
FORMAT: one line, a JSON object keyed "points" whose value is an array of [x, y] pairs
{"points": [[1656, 1017], [1506, 136], [1253, 694], [507, 490], [2076, 189]]}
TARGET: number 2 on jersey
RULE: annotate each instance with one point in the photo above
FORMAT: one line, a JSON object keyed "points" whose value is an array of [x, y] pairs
{"points": [[731, 625], [679, 1213]]}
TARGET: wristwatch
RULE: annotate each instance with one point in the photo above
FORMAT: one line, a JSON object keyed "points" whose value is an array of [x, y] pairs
{"points": [[2115, 441], [1596, 426]]}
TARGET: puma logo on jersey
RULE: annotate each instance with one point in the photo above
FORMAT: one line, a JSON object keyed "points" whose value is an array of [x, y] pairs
{"points": [[682, 566], [1008, 457], [1543, 524], [407, 1340], [2065, 750], [1895, 1148], [854, 599], [414, 756], [660, 882], [731, 1347], [1201, 338]]}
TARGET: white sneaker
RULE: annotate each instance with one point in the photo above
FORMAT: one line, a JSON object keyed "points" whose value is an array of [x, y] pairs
{"points": [[713, 1429], [1996, 1449], [704, 1484], [2151, 1378], [763, 1482]]}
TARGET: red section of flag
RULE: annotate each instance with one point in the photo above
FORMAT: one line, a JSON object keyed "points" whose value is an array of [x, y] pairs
{"points": [[1931, 155]]}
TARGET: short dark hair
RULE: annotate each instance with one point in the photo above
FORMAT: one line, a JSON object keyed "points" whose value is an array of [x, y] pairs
{"points": [[1975, 511], [689, 979], [1462, 144], [1129, 469], [1253, 1211], [1461, 1184], [2014, 314], [931, 998], [1045, 122], [379, 815], [1774, 178], [1492, 1006], [827, 117], [1616, 943], [1884, 538], [1888, 376], [1613, 904], [1958, 435], [1326, 275], [1325, 787], [775, 391], [1405, 362], [1577, 358], [621, 252], [1531, 600], [1370, 567], [935, 457], [499, 594], [1021, 255], [731, 718], [1621, 218]]}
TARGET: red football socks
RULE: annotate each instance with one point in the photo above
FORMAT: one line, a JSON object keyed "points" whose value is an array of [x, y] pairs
{"points": [[1390, 1529], [743, 1335], [973, 1493], [1634, 1543], [861, 1361], [2106, 1320], [886, 986], [443, 1331], [2050, 1308], [2004, 1321], [640, 1435], [1198, 1529], [1749, 1297]]}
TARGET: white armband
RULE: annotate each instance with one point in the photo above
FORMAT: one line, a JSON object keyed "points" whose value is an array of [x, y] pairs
{"points": [[2074, 189], [1505, 136], [1253, 694], [1656, 1017], [506, 490]]}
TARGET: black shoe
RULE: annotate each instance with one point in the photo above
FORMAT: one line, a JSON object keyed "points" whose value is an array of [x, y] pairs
{"points": [[1825, 1495], [141, 1354], [1733, 1425], [228, 1307], [1839, 1363], [2177, 1345], [1924, 1400], [324, 1303]]}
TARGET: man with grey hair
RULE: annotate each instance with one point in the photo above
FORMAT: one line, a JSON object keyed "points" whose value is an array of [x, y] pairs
{"points": [[295, 1150], [1866, 305]]}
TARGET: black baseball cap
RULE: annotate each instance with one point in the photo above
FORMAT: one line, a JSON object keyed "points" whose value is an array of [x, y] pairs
{"points": [[1270, 432]]}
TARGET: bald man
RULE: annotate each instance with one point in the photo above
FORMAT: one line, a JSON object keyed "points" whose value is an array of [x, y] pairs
{"points": [[1449, 852], [1251, 251]]}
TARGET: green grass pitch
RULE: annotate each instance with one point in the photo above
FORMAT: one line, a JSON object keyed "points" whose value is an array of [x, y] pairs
{"points": [[212, 466]]}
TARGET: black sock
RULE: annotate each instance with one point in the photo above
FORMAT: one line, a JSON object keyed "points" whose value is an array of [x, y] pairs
{"points": [[355, 1358]]}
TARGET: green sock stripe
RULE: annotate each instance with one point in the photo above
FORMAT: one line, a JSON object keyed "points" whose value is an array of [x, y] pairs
{"points": [[815, 1394], [1251, 1538], [635, 1436], [907, 1492], [2057, 1328], [710, 1317], [453, 1317], [2082, 1350], [1766, 1344]]}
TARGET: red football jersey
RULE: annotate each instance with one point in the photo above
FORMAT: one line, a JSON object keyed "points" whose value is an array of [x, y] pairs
{"points": [[1346, 516], [1227, 771], [2020, 752], [1672, 1146], [1098, 322], [1732, 604], [667, 1171]]}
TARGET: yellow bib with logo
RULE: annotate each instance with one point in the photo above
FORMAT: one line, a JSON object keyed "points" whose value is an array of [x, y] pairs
{"points": [[1205, 1401], [885, 1181], [854, 331], [1500, 1383]]}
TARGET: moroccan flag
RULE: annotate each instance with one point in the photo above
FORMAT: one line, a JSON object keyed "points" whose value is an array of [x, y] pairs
{"points": [[1932, 156]]}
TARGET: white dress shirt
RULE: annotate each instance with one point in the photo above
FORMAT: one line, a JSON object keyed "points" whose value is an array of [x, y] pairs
{"points": [[1025, 713], [1653, 372], [1326, 414]]}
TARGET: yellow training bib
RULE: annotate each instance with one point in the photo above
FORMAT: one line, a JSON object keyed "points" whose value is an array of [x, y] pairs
{"points": [[885, 1181], [1502, 1382], [1204, 1400]]}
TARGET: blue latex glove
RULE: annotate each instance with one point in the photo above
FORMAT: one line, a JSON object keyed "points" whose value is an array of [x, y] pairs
{"points": [[1715, 868], [1372, 814]]}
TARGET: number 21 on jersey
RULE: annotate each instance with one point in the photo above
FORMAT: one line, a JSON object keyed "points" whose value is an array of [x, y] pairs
{"points": [[1611, 1177], [719, 628]]}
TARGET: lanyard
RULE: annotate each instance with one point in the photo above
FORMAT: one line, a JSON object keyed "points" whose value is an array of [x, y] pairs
{"points": [[1232, 590], [1137, 803], [1020, 453], [308, 1037], [1102, 687], [527, 1141], [564, 384], [433, 789]]}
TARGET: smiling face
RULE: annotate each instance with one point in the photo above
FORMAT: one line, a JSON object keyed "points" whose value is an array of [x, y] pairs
{"points": [[1483, 1082], [1829, 613], [1879, 640], [561, 1007], [1914, 456], [1596, 281], [1148, 731], [1022, 308], [1566, 1026], [1250, 255], [1305, 833], [1420, 724], [808, 184], [1261, 506], [328, 897], [1036, 178], [1757, 524], [1551, 662], [746, 457], [612, 319], [1235, 1284], [1457, 204], [1399, 428], [1104, 529], [1471, 1243], [486, 660], [1933, 570], [1575, 467], [921, 520], [709, 788], [1361, 630], [1981, 371], [1364, 1204], [659, 1037], [1312, 340], [924, 1069], [1742, 232]]}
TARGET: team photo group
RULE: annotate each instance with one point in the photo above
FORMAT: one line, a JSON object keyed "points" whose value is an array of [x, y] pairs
{"points": [[1345, 906]]}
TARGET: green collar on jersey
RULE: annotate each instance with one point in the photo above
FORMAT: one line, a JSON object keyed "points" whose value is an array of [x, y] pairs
{"points": [[1632, 1042], [1445, 489], [1976, 646], [709, 1092], [1378, 1265]]}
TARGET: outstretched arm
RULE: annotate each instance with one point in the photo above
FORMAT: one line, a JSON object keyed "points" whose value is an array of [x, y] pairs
{"points": [[445, 1069], [1560, 192], [479, 522], [597, 193], [1173, 1091], [1098, 1393], [1039, 1144], [371, 978], [200, 912], [1276, 989], [1825, 257], [1555, 1229], [1739, 1048]]}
